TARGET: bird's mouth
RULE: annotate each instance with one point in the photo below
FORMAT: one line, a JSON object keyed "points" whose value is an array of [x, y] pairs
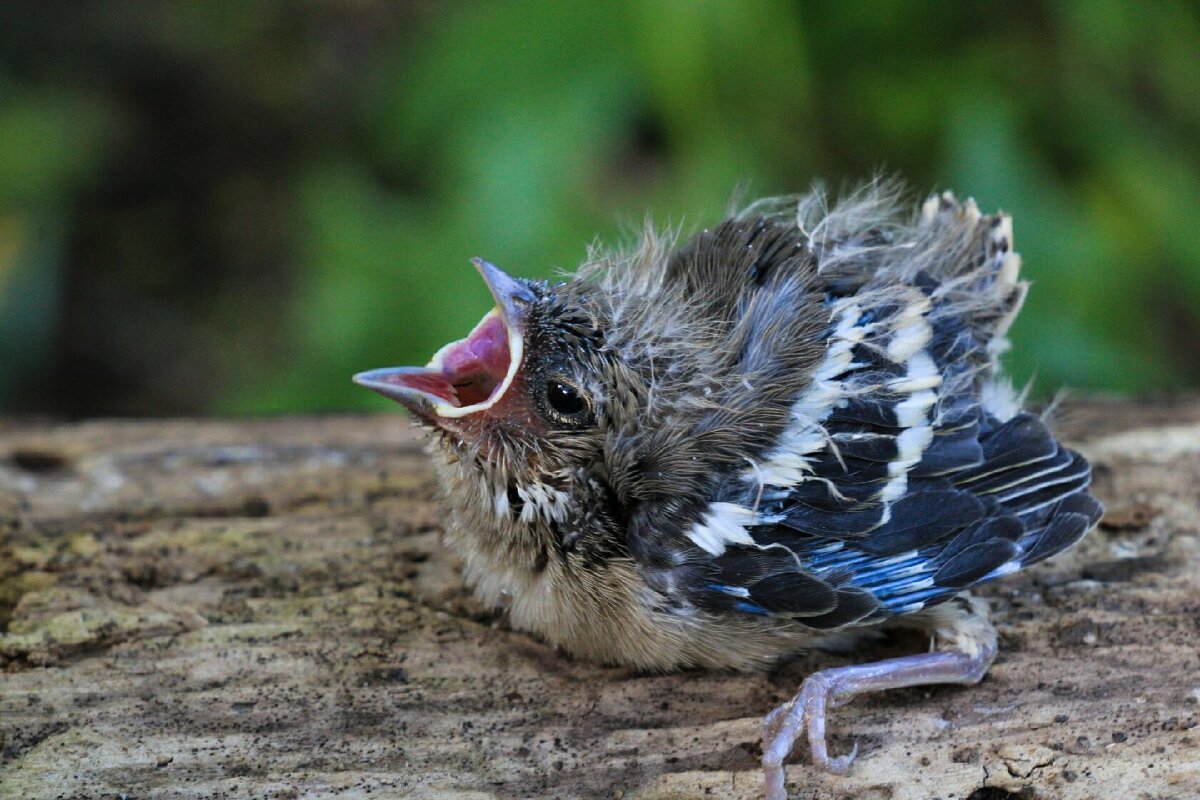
{"points": [[469, 375]]}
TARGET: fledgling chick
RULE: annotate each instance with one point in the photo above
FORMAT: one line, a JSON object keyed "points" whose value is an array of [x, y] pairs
{"points": [[716, 455]]}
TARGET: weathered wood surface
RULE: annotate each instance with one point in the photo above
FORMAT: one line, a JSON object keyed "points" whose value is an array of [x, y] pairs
{"points": [[260, 609]]}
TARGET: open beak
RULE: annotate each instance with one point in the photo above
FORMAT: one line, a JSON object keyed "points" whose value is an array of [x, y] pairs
{"points": [[471, 374]]}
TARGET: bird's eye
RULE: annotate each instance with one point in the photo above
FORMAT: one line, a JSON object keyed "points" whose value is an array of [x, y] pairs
{"points": [[566, 400]]}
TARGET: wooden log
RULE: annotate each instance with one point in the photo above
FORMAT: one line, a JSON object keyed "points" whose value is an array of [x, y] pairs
{"points": [[194, 609]]}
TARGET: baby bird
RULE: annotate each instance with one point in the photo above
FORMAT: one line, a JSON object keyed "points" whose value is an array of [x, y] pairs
{"points": [[717, 454]]}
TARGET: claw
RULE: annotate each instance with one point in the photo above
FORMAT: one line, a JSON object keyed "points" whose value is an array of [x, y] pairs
{"points": [[840, 765]]}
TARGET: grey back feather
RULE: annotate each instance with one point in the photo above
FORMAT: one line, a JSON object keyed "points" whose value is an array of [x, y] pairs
{"points": [[718, 337]]}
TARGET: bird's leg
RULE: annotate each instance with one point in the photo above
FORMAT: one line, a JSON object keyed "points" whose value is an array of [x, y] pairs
{"points": [[971, 647]]}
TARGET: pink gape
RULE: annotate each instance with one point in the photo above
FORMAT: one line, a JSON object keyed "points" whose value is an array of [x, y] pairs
{"points": [[463, 373], [476, 365]]}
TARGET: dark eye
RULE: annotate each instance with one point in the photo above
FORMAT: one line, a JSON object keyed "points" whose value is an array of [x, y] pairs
{"points": [[565, 399]]}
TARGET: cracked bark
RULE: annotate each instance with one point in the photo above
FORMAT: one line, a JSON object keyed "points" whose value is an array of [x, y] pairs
{"points": [[260, 609]]}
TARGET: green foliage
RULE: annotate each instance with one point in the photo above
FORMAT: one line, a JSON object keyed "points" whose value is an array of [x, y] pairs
{"points": [[350, 158], [51, 145]]}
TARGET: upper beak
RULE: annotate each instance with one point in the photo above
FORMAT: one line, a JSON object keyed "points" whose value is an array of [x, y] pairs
{"points": [[511, 295], [471, 374]]}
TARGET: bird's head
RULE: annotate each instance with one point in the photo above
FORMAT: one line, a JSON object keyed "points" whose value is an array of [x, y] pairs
{"points": [[522, 398]]}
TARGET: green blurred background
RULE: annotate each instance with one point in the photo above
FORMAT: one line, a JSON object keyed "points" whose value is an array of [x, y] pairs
{"points": [[229, 207]]}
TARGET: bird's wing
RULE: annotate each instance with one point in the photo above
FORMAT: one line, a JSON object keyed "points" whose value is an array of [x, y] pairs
{"points": [[831, 552], [907, 473]]}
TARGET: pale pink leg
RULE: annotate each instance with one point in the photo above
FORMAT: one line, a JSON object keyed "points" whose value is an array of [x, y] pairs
{"points": [[831, 688]]}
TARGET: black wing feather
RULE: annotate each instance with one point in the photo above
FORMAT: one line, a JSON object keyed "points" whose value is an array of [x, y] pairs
{"points": [[972, 563]]}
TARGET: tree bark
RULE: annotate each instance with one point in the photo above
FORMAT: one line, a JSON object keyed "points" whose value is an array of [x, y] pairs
{"points": [[261, 609]]}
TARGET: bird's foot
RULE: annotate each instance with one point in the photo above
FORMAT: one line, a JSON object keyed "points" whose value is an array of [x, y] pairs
{"points": [[831, 688]]}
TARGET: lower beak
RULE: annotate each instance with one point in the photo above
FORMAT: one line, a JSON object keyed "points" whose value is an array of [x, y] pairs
{"points": [[409, 385]]}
